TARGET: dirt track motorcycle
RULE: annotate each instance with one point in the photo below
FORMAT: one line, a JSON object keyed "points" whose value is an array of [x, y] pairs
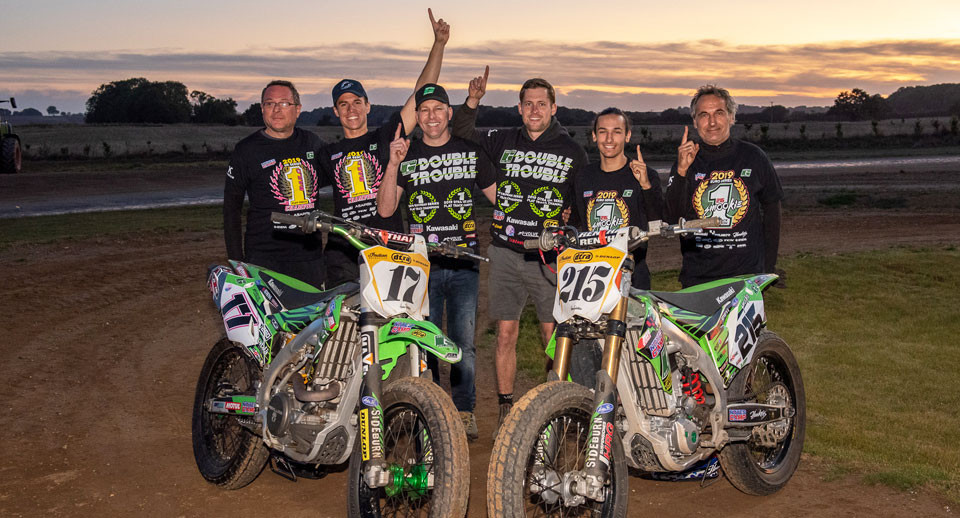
{"points": [[682, 375], [306, 378]]}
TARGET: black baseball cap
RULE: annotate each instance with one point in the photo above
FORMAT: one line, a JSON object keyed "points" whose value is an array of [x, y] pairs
{"points": [[348, 86], [431, 91]]}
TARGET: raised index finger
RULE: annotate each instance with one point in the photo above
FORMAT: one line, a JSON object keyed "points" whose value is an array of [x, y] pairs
{"points": [[639, 154], [486, 73], [685, 130], [399, 126], [432, 20]]}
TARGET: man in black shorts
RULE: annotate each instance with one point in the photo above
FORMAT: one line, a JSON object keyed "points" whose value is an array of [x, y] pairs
{"points": [[354, 165], [437, 177], [536, 165], [732, 180], [617, 192], [276, 168]]}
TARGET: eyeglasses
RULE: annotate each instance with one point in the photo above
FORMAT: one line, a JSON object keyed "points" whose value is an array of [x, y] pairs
{"points": [[269, 105]]}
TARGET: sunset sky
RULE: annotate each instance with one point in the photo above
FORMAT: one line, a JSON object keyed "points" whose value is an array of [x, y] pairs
{"points": [[597, 54]]}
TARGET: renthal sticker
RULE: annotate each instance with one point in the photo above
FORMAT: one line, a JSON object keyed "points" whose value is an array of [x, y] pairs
{"points": [[724, 197], [423, 206], [418, 333], [369, 401], [364, 434], [459, 203], [547, 223], [668, 383], [546, 201], [737, 414], [508, 196], [469, 225]]}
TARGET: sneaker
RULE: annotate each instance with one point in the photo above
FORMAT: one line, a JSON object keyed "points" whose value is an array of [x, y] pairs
{"points": [[470, 425], [504, 410]]}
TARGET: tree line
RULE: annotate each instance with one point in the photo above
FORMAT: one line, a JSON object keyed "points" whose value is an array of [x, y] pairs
{"points": [[139, 100]]}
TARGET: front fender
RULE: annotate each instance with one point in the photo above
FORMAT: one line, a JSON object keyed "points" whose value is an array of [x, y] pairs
{"points": [[396, 335]]}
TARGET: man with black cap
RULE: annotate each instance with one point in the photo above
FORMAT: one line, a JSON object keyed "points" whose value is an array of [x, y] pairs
{"points": [[354, 165], [437, 176], [536, 164]]}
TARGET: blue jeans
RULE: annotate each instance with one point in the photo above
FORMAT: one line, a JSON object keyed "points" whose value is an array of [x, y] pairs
{"points": [[456, 289]]}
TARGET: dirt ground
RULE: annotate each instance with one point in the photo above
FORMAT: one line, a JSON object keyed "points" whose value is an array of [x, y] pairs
{"points": [[104, 340]]}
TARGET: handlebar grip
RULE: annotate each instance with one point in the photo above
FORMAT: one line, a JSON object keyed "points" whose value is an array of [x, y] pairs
{"points": [[287, 219], [531, 244], [702, 223]]}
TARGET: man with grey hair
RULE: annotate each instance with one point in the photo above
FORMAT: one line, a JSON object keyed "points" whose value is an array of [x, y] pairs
{"points": [[276, 167], [726, 178]]}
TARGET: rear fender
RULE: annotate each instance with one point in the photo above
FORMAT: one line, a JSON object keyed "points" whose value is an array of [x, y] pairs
{"points": [[396, 335]]}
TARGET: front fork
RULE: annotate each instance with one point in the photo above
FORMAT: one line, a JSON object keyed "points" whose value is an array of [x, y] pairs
{"points": [[589, 483], [373, 467]]}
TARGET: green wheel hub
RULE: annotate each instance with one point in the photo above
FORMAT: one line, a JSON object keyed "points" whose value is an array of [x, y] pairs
{"points": [[413, 483]]}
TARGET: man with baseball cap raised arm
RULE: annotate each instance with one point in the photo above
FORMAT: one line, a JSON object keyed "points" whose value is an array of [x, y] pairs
{"points": [[437, 176], [354, 165]]}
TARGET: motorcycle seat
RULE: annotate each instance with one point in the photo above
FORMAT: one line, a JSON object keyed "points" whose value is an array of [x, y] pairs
{"points": [[292, 298], [702, 301]]}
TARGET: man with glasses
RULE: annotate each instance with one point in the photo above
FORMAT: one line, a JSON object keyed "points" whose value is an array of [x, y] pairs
{"points": [[355, 165], [276, 168]]}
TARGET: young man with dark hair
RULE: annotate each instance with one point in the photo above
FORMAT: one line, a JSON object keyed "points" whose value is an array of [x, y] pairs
{"points": [[354, 165], [536, 165], [617, 192], [276, 168], [437, 177], [732, 180]]}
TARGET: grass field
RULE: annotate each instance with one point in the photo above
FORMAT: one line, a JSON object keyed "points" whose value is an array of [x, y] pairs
{"points": [[875, 335]]}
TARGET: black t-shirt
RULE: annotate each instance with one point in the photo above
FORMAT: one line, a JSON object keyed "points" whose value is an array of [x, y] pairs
{"points": [[278, 175], [438, 184], [534, 177], [354, 168], [608, 200], [730, 181]]}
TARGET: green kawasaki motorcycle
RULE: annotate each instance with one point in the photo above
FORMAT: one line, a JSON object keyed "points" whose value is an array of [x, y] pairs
{"points": [[682, 375], [307, 378]]}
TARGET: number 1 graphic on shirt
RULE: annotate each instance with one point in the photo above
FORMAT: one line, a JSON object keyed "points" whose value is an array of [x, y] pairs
{"points": [[358, 177], [298, 185]]}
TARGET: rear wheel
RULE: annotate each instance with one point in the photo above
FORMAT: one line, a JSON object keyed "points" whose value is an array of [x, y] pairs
{"points": [[425, 449], [11, 158], [228, 454], [759, 467], [550, 424]]}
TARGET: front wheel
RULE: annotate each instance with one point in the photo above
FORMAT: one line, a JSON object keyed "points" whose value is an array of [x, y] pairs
{"points": [[424, 447], [543, 439], [227, 453], [772, 377]]}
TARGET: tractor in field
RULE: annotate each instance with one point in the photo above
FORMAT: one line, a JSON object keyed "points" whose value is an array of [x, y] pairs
{"points": [[10, 153]]}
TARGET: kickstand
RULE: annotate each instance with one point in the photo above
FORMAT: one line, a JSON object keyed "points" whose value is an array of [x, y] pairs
{"points": [[705, 481], [282, 467]]}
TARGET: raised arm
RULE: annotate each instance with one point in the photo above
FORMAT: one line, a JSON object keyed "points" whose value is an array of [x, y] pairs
{"points": [[430, 72], [388, 196], [464, 123]]}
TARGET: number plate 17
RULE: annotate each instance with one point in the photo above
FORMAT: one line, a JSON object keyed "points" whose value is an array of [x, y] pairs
{"points": [[586, 281], [395, 282]]}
